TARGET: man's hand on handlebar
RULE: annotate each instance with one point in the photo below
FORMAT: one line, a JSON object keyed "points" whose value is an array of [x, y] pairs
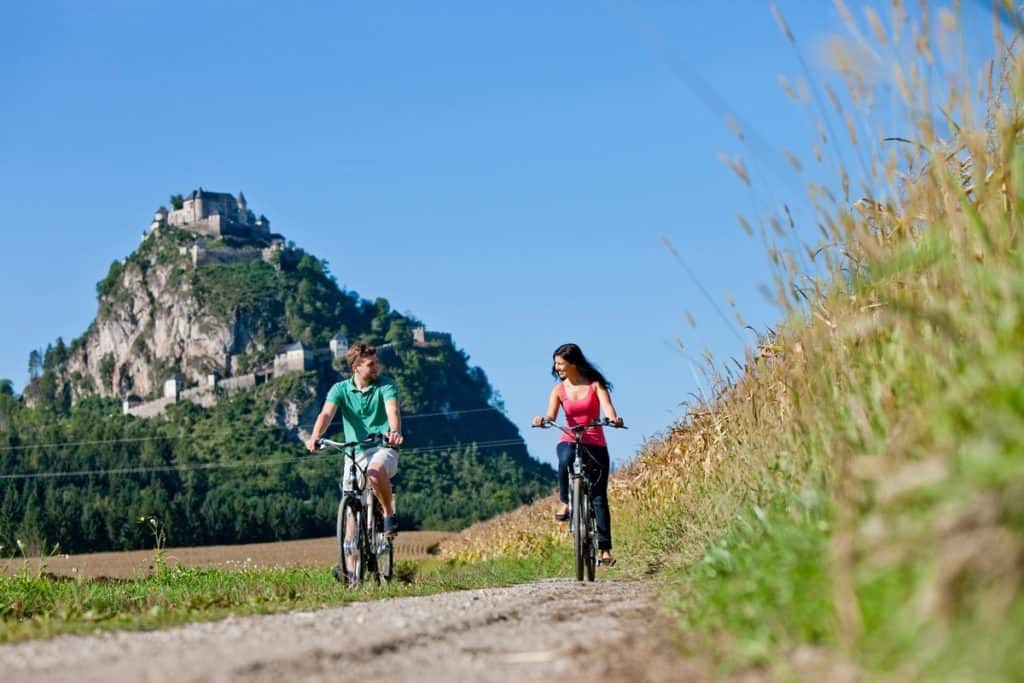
{"points": [[395, 438], [313, 445]]}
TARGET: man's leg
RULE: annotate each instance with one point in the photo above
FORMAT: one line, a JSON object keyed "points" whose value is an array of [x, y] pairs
{"points": [[380, 483], [383, 466]]}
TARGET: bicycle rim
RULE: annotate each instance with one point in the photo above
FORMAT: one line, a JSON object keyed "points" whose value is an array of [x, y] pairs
{"points": [[385, 560], [381, 547], [589, 540], [350, 543], [578, 528]]}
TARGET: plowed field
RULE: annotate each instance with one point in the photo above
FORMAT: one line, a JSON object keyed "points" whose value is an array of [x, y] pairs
{"points": [[311, 552]]}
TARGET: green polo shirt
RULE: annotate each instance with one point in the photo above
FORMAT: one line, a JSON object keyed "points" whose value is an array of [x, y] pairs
{"points": [[363, 411]]}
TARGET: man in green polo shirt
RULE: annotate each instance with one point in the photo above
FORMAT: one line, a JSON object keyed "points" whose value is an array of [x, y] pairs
{"points": [[368, 405]]}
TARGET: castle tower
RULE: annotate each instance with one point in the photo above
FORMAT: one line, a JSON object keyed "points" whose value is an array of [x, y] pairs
{"points": [[159, 219], [197, 204]]}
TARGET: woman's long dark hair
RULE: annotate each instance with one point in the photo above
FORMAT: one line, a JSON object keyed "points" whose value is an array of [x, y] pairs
{"points": [[571, 353]]}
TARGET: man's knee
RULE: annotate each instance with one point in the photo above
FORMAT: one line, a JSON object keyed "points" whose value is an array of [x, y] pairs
{"points": [[377, 474]]}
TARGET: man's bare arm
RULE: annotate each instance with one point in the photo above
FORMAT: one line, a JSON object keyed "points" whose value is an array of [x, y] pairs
{"points": [[323, 421], [395, 437]]}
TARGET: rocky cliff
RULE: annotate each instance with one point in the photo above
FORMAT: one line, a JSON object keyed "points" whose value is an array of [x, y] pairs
{"points": [[150, 323], [161, 313]]}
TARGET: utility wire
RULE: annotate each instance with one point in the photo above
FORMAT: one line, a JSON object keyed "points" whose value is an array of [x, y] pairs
{"points": [[480, 445], [103, 442]]}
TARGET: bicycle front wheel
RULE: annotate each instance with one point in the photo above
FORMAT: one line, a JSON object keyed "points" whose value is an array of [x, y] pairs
{"points": [[351, 542], [578, 527], [589, 534]]}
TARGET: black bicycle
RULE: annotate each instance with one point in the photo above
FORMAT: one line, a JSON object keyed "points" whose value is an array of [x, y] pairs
{"points": [[363, 547], [582, 521]]}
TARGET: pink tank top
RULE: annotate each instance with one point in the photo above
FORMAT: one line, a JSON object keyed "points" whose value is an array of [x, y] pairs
{"points": [[583, 411]]}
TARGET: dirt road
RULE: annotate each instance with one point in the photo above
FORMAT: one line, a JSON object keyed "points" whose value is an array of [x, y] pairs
{"points": [[550, 630]]}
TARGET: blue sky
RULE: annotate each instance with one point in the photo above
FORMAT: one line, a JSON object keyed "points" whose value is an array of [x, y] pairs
{"points": [[503, 172]]}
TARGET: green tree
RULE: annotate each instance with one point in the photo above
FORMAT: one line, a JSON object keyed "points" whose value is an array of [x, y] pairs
{"points": [[35, 363], [107, 370]]}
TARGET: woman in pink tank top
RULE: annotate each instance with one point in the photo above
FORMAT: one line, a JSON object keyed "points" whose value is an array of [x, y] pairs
{"points": [[582, 393]]}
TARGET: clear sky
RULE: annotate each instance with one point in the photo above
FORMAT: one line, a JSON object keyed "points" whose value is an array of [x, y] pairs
{"points": [[502, 171]]}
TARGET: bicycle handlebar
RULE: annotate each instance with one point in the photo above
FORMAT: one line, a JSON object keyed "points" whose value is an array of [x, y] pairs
{"points": [[378, 439], [579, 429]]}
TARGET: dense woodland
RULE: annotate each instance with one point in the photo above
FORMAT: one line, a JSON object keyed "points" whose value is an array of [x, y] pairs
{"points": [[82, 475]]}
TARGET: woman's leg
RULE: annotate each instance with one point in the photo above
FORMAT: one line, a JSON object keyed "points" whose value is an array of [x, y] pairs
{"points": [[564, 451], [599, 494]]}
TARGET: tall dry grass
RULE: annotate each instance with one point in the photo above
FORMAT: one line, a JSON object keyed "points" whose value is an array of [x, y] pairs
{"points": [[893, 387]]}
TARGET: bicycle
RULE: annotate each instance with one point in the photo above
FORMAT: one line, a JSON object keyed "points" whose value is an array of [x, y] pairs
{"points": [[582, 521], [363, 547]]}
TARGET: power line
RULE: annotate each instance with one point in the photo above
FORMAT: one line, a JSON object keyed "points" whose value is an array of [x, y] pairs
{"points": [[170, 437], [480, 445]]}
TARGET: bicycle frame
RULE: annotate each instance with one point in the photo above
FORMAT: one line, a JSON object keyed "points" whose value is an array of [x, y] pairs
{"points": [[362, 546], [582, 522]]}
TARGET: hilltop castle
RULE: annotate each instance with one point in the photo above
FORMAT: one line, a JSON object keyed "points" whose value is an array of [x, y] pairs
{"points": [[213, 214]]}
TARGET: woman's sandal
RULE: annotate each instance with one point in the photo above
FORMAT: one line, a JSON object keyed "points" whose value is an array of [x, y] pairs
{"points": [[562, 516], [607, 561]]}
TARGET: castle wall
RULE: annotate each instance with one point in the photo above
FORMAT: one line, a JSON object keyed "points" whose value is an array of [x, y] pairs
{"points": [[223, 205], [209, 226], [225, 255], [232, 384], [292, 361], [204, 396], [150, 408], [183, 216]]}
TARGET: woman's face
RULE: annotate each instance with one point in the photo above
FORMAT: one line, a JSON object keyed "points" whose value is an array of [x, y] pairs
{"points": [[562, 366]]}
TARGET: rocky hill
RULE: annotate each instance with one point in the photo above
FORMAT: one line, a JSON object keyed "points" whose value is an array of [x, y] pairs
{"points": [[250, 331]]}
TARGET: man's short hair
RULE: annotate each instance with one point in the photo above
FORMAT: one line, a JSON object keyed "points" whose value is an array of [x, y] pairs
{"points": [[357, 352]]}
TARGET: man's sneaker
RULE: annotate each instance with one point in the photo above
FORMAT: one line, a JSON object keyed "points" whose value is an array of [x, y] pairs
{"points": [[342, 575], [391, 525]]}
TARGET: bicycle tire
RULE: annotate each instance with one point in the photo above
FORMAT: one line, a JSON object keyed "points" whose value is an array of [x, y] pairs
{"points": [[352, 551], [577, 526], [382, 550], [386, 561], [589, 537]]}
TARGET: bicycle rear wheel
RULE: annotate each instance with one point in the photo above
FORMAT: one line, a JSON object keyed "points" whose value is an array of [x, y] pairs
{"points": [[577, 525], [382, 548], [351, 543]]}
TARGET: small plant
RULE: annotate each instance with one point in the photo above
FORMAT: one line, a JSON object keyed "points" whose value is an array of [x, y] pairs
{"points": [[159, 532]]}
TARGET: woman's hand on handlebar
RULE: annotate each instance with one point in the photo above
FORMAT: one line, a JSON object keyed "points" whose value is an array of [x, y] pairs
{"points": [[617, 422], [541, 421]]}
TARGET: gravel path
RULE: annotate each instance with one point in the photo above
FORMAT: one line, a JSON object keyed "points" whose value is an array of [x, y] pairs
{"points": [[544, 631]]}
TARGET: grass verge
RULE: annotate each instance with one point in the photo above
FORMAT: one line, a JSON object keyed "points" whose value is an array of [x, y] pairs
{"points": [[41, 605]]}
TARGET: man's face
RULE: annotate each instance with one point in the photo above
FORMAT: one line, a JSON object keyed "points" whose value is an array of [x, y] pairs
{"points": [[367, 369]]}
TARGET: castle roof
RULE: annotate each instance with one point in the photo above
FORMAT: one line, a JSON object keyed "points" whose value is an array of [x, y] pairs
{"points": [[212, 195]]}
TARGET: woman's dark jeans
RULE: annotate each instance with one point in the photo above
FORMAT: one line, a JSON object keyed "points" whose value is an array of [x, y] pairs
{"points": [[597, 463]]}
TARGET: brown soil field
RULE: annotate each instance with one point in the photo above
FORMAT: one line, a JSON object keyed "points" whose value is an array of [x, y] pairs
{"points": [[409, 545]]}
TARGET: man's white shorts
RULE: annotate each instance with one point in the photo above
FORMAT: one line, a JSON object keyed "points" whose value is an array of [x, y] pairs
{"points": [[387, 458]]}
